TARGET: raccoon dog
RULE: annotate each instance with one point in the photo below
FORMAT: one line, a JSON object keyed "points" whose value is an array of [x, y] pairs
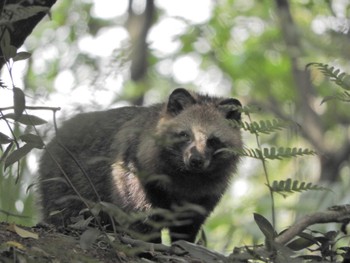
{"points": [[138, 158]]}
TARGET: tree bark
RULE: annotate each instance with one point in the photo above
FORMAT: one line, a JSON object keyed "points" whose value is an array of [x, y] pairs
{"points": [[138, 25]]}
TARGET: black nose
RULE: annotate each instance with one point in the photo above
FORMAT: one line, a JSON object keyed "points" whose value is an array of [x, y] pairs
{"points": [[196, 162]]}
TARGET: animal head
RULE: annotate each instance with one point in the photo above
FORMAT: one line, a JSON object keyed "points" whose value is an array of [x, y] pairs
{"points": [[196, 131]]}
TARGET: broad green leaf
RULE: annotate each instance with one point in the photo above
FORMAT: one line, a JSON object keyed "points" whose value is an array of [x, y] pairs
{"points": [[89, 237], [5, 39], [4, 139], [9, 52], [32, 139], [300, 243], [26, 119], [6, 152], [22, 56], [18, 154], [19, 102], [7, 49], [305, 240], [265, 226], [22, 232]]}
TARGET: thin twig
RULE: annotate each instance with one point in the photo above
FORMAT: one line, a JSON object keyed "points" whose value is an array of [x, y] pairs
{"points": [[33, 108]]}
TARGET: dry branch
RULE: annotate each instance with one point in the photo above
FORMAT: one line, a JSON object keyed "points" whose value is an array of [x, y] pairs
{"points": [[335, 214]]}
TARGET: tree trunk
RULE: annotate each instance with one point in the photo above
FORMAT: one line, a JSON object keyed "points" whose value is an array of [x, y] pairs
{"points": [[312, 126]]}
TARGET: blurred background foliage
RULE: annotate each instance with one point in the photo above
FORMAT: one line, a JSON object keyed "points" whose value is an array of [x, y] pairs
{"points": [[88, 55]]}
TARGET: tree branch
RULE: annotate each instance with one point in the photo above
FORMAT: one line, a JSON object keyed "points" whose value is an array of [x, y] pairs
{"points": [[335, 214]]}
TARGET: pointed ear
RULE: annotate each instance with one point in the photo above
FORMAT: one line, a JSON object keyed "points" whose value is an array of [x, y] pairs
{"points": [[231, 108], [179, 99]]}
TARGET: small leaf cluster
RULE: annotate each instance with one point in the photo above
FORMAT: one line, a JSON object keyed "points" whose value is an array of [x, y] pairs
{"points": [[8, 51], [17, 146], [10, 156], [323, 249]]}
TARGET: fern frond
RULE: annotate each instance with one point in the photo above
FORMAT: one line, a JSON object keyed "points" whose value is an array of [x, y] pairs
{"points": [[264, 126], [280, 153], [289, 186], [250, 109], [345, 96], [252, 153], [340, 78], [274, 153]]}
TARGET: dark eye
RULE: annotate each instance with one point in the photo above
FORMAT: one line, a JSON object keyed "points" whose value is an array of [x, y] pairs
{"points": [[183, 135], [215, 143]]}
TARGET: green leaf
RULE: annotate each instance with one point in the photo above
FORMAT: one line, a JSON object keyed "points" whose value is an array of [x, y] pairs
{"points": [[4, 139], [10, 52], [18, 154], [32, 139], [6, 39], [7, 49], [6, 152], [22, 56], [89, 237], [303, 242], [19, 102], [26, 119], [265, 227]]}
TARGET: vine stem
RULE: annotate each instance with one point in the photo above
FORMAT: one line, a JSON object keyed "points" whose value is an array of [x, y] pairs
{"points": [[266, 177]]}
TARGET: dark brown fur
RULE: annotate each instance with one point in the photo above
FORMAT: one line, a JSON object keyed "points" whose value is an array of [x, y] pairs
{"points": [[163, 156]]}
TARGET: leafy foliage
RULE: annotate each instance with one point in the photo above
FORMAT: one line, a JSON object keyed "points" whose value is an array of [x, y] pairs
{"points": [[31, 141], [22, 136]]}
